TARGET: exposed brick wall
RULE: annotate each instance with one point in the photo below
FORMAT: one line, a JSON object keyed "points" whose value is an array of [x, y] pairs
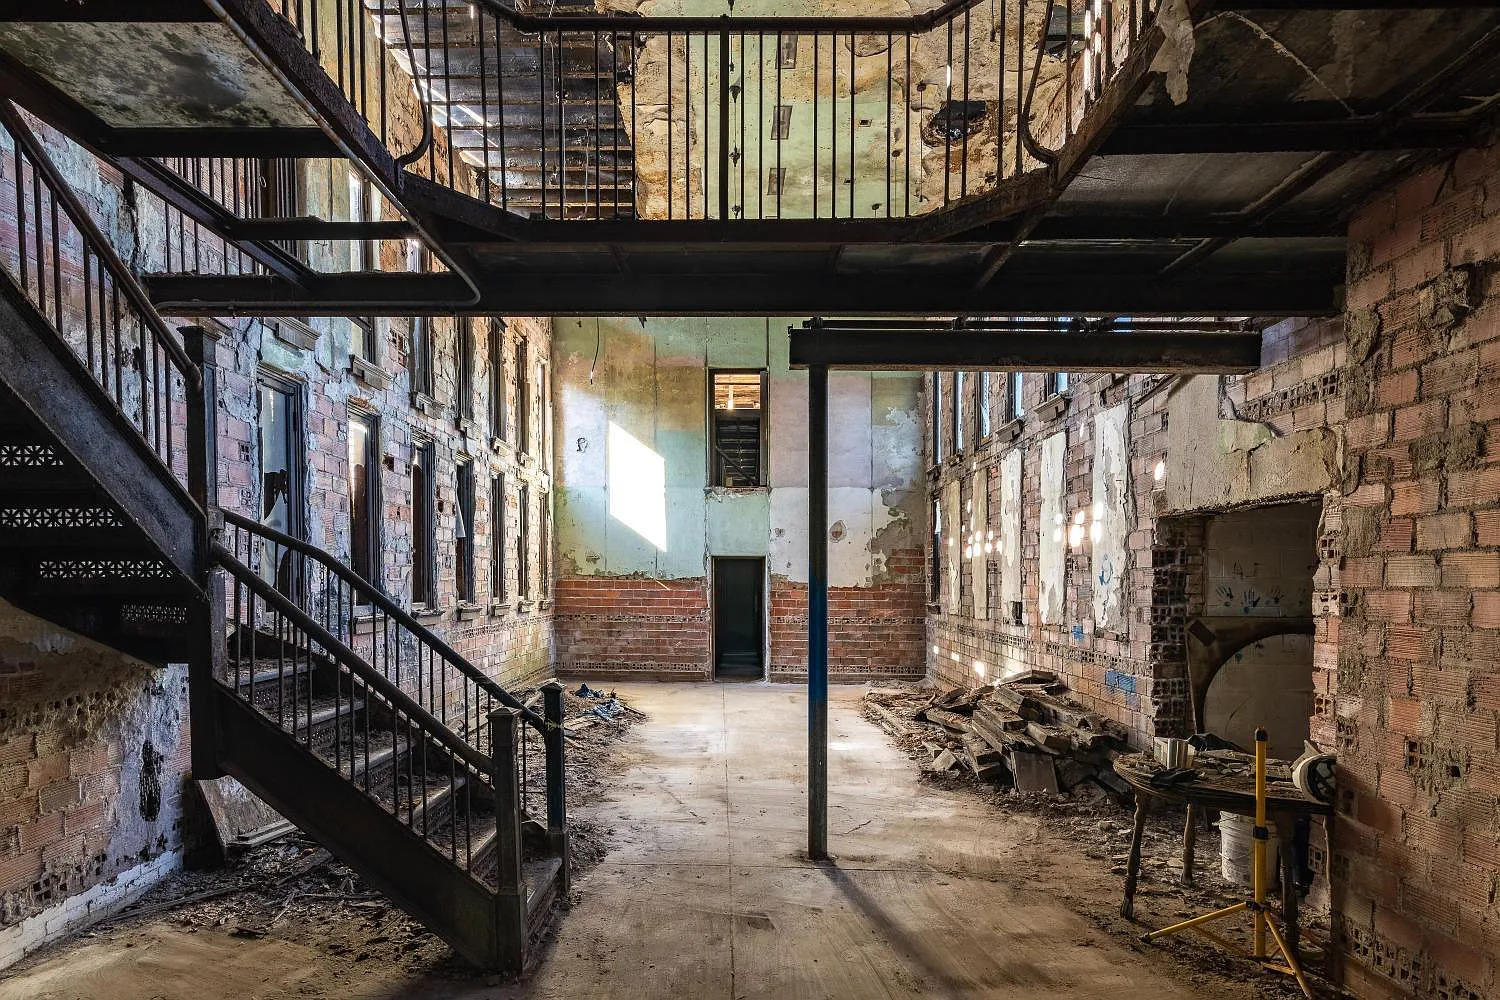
{"points": [[1412, 663], [93, 752], [633, 628], [873, 632]]}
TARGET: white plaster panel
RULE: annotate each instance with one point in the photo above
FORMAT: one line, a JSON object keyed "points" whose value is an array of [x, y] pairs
{"points": [[583, 525], [895, 430], [787, 437], [739, 523], [584, 437], [980, 562], [953, 543], [848, 430], [683, 556], [1052, 551], [1110, 516], [1010, 526], [738, 343], [788, 546]]}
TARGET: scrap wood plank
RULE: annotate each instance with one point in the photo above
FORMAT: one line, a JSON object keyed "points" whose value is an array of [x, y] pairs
{"points": [[948, 720], [885, 718], [1034, 772], [980, 751], [1018, 702], [1049, 738]]}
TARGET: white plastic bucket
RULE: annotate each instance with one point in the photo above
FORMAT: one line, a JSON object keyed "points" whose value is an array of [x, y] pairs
{"points": [[1236, 845]]}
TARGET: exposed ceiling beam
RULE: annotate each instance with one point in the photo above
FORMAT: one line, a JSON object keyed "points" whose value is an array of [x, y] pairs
{"points": [[1276, 137], [1204, 292], [1001, 350], [157, 11], [1341, 5], [313, 228], [295, 142]]}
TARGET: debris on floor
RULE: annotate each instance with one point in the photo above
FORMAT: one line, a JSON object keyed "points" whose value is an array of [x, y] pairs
{"points": [[293, 890], [1024, 733]]}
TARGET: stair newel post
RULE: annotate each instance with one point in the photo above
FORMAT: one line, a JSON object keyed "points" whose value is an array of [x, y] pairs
{"points": [[557, 803], [207, 663], [510, 899]]}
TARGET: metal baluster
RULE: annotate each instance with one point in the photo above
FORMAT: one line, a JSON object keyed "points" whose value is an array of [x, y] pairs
{"points": [[484, 102], [963, 188], [598, 162], [815, 103], [890, 83], [779, 142], [1000, 98], [853, 78], [948, 121], [541, 95]]}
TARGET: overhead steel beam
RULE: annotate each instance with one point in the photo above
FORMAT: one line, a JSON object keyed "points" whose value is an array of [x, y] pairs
{"points": [[312, 228], [1278, 137], [1225, 353], [284, 141], [1204, 292], [110, 11]]}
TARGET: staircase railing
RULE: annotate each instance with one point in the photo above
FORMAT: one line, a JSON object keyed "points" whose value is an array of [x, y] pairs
{"points": [[425, 754], [726, 118], [356, 613], [72, 274]]}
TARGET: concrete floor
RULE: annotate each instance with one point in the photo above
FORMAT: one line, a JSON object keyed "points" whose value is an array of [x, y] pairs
{"points": [[706, 893]]}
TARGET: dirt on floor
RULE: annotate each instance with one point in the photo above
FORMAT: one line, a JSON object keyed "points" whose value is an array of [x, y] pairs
{"points": [[1098, 825], [293, 891]]}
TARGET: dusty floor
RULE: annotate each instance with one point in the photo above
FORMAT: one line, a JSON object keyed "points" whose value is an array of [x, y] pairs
{"points": [[704, 891]]}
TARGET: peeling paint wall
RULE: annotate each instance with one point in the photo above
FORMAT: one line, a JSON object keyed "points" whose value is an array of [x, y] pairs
{"points": [[1110, 516], [1052, 523], [93, 758], [634, 504]]}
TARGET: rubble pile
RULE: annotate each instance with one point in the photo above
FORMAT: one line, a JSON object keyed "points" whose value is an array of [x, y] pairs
{"points": [[1024, 733]]}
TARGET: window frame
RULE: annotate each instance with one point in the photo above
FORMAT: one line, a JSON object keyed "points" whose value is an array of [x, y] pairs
{"points": [[499, 586], [424, 526], [958, 428], [983, 390], [370, 425], [1015, 401], [523, 540], [715, 477], [463, 352], [499, 390], [465, 587], [523, 396], [419, 355]]}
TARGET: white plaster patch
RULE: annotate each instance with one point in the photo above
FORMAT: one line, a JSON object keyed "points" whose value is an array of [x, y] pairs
{"points": [[78, 911], [1110, 516], [1052, 552], [1010, 527]]}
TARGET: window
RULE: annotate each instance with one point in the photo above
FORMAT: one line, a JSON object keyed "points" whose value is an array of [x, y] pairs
{"points": [[986, 392], [523, 540], [935, 408], [364, 255], [463, 532], [935, 569], [737, 428], [280, 458], [498, 591], [958, 412], [775, 180], [497, 380], [1014, 407], [781, 125], [523, 400], [1054, 383], [544, 414], [423, 511], [786, 56], [419, 360], [463, 336], [544, 546], [281, 193], [364, 496]]}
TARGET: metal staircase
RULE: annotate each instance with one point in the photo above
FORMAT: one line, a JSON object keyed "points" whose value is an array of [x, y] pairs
{"points": [[307, 683]]}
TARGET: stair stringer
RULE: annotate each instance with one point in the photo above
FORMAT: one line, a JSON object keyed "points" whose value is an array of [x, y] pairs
{"points": [[362, 834]]}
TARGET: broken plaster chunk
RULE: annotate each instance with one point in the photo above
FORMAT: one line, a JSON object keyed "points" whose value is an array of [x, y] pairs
{"points": [[1362, 330], [1445, 300], [1176, 53]]}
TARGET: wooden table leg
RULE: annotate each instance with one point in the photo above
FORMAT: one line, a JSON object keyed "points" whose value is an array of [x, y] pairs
{"points": [[1189, 843], [1133, 866], [1286, 832]]}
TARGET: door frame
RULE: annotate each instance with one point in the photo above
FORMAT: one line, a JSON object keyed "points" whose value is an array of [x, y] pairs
{"points": [[713, 619]]}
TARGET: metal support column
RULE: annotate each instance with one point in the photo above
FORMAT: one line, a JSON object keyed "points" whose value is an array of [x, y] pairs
{"points": [[817, 613]]}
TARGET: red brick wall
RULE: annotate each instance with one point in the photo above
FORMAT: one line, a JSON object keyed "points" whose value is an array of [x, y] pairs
{"points": [[93, 751], [873, 632], [1414, 662], [610, 627]]}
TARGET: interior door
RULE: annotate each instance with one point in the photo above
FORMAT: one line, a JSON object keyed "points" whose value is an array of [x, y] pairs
{"points": [[739, 618]]}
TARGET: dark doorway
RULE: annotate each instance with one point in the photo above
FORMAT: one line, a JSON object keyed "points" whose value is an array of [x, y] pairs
{"points": [[739, 618]]}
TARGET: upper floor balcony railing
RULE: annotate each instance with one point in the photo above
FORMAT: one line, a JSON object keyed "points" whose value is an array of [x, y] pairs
{"points": [[592, 116]]}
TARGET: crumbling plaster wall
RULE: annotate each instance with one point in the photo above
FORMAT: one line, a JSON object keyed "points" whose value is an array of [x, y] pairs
{"points": [[93, 756], [638, 526], [1122, 588]]}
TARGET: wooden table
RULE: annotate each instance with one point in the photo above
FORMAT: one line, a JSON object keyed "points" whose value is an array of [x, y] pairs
{"points": [[1225, 793]]}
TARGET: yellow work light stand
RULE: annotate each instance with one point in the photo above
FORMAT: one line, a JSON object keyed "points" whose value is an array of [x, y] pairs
{"points": [[1263, 924]]}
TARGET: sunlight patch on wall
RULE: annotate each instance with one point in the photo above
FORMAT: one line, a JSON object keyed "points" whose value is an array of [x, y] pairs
{"points": [[637, 487]]}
